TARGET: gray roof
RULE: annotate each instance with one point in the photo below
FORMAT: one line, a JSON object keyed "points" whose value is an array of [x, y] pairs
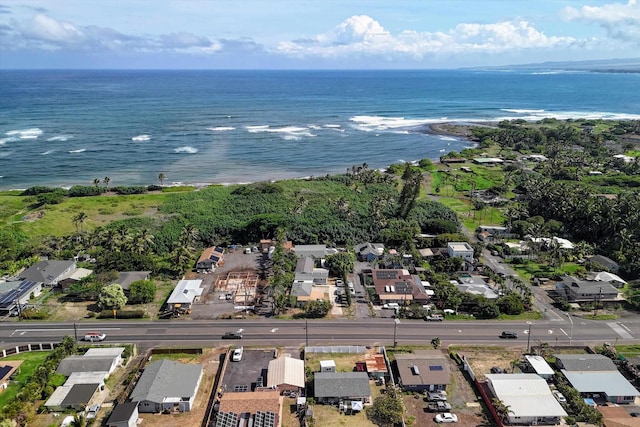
{"points": [[126, 278], [341, 384], [122, 412], [584, 362], [71, 364], [80, 394], [608, 382], [603, 260], [10, 292], [166, 378], [301, 289], [46, 271], [305, 265], [315, 251]]}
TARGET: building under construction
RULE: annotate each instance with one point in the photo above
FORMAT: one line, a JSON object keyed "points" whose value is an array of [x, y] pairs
{"points": [[238, 286]]}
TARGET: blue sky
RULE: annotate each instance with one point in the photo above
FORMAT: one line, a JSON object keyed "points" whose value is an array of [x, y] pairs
{"points": [[312, 34]]}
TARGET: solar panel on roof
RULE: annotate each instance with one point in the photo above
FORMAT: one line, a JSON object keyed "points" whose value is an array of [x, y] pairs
{"points": [[215, 258], [4, 370], [240, 388], [227, 419], [435, 368], [386, 275]]}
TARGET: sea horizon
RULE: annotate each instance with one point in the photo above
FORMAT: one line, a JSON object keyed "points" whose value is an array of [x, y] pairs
{"points": [[200, 127]]}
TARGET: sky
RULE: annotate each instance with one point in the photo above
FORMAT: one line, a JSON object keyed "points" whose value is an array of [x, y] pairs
{"points": [[313, 34]]}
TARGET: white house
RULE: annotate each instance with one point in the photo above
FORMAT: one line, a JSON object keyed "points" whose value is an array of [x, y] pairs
{"points": [[460, 250], [185, 294], [528, 397]]}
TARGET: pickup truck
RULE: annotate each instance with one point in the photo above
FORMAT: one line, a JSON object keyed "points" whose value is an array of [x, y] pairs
{"points": [[439, 407]]}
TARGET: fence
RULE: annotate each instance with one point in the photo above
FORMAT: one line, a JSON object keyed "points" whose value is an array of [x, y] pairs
{"points": [[336, 349], [483, 391], [25, 348]]}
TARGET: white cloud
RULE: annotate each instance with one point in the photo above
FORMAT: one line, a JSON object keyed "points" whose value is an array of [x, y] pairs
{"points": [[362, 35], [620, 20]]}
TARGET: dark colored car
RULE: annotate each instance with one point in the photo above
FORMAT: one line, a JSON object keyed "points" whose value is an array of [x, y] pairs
{"points": [[508, 335], [497, 370], [232, 336]]}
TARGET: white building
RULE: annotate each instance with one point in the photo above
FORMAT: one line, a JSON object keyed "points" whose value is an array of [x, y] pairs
{"points": [[185, 294], [528, 397], [460, 250]]}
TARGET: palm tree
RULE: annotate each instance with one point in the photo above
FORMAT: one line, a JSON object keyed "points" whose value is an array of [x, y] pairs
{"points": [[96, 182], [502, 410], [78, 220], [161, 178], [106, 181], [435, 343]]}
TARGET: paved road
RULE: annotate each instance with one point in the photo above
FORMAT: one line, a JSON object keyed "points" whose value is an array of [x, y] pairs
{"points": [[371, 332]]}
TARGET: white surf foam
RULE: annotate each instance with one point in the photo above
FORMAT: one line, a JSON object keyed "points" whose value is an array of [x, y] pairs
{"points": [[31, 133], [185, 150], [381, 123], [80, 150], [447, 138], [521, 111], [222, 128], [140, 138], [5, 140], [60, 138], [535, 115], [47, 152], [286, 132], [6, 153]]}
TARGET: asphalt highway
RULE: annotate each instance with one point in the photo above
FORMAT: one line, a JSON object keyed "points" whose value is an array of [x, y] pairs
{"points": [[369, 332]]}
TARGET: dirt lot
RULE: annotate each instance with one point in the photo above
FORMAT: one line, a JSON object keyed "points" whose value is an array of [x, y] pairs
{"points": [[482, 359]]}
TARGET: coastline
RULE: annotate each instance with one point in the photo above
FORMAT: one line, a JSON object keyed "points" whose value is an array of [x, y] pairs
{"points": [[452, 129]]}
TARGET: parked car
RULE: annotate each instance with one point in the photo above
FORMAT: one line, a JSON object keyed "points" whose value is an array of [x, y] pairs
{"points": [[559, 396], [446, 417], [434, 318], [339, 283], [508, 335], [92, 411], [94, 336], [438, 406], [497, 370], [237, 354], [434, 396], [232, 336]]}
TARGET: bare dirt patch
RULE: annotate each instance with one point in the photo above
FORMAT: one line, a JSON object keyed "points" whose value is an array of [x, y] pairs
{"points": [[482, 359]]}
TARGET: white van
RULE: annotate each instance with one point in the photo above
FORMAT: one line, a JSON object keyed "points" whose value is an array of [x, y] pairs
{"points": [[391, 305], [237, 354]]}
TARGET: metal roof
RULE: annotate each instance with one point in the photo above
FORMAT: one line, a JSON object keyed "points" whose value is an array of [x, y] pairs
{"points": [[285, 370], [166, 379], [584, 362], [18, 290], [612, 383], [539, 365], [341, 384], [527, 395], [122, 412]]}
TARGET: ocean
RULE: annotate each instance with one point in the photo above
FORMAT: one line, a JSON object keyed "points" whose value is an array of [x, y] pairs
{"points": [[62, 128]]}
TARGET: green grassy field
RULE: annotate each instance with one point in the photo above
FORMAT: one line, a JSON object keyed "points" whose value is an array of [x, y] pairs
{"points": [[57, 219], [30, 361]]}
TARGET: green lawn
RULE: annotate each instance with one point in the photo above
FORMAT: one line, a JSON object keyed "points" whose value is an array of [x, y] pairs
{"points": [[531, 268], [100, 210], [30, 361]]}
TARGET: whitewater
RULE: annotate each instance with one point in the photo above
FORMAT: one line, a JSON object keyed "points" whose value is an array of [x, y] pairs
{"points": [[62, 128]]}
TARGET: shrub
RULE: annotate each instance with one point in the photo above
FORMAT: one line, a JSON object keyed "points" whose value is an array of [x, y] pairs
{"points": [[123, 314], [84, 191], [132, 189], [154, 187], [39, 189]]}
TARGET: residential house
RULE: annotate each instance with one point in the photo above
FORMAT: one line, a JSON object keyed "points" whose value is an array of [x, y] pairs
{"points": [[307, 271], [488, 161], [76, 396], [332, 387], [259, 408], [588, 291], [7, 369], [460, 250], [286, 373], [423, 370], [73, 278], [317, 252], [126, 278], [605, 276], [17, 292], [596, 374], [49, 272], [604, 262], [547, 242], [540, 366], [210, 259], [369, 252], [304, 292], [185, 294], [398, 286], [124, 415], [528, 398], [166, 385], [105, 362], [475, 285], [492, 232]]}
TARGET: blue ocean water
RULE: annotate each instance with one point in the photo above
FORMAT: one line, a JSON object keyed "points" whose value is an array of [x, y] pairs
{"points": [[61, 128]]}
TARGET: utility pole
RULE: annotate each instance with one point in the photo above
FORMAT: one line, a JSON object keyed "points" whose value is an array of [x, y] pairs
{"points": [[396, 322], [529, 338], [306, 331], [570, 336], [75, 330], [598, 299]]}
